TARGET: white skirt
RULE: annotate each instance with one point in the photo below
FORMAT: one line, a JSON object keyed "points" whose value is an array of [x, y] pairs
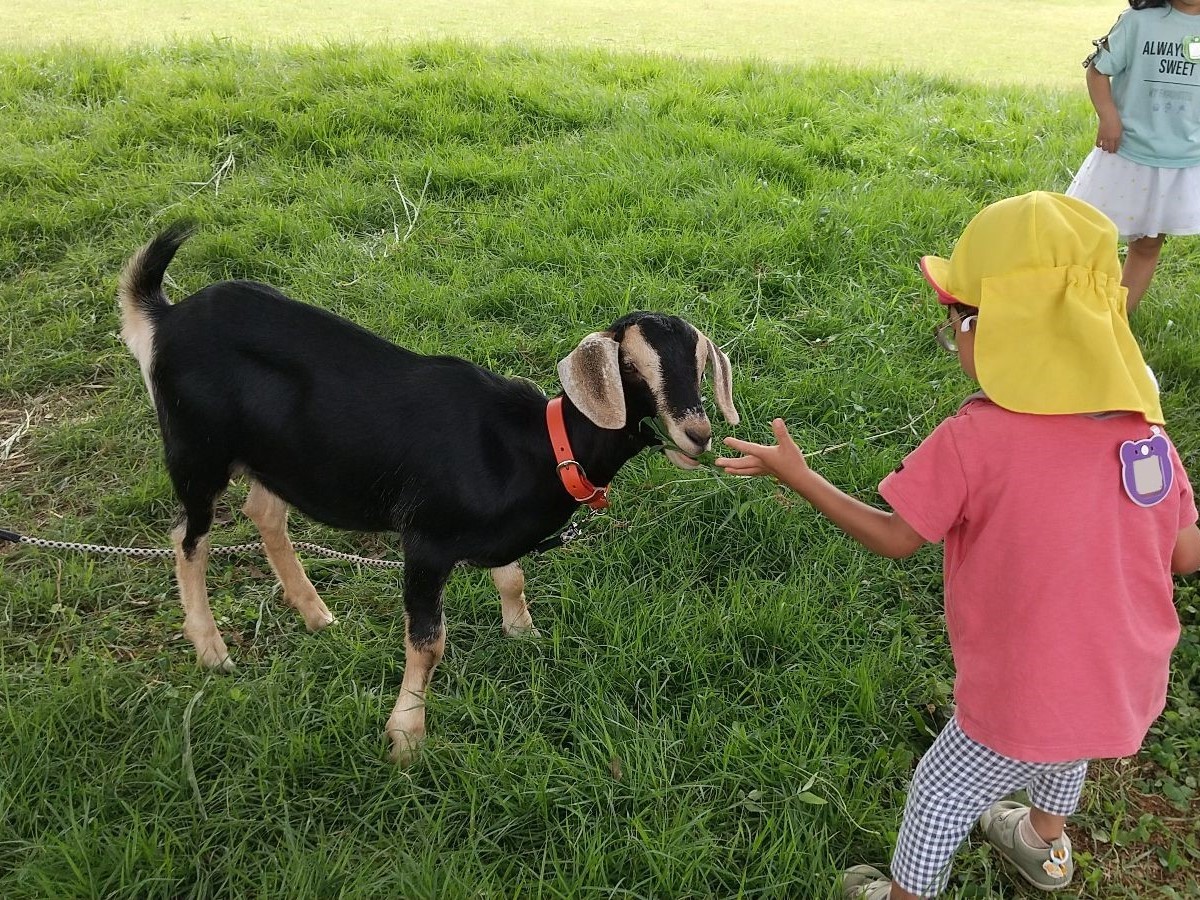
{"points": [[1142, 200]]}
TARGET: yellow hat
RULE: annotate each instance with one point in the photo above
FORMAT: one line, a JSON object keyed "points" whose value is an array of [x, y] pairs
{"points": [[1053, 334]]}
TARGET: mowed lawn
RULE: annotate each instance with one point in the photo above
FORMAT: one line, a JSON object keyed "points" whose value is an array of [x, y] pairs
{"points": [[1030, 42], [728, 696]]}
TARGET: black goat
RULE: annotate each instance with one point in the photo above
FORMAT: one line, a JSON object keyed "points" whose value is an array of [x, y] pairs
{"points": [[360, 434]]}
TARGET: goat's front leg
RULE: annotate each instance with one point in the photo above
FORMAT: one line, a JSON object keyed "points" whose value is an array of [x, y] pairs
{"points": [[199, 626], [514, 611], [424, 645], [268, 512]]}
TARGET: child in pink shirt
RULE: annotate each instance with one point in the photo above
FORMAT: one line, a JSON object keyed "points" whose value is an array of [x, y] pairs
{"points": [[1064, 510]]}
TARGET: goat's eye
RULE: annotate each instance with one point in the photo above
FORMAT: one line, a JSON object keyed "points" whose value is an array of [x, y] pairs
{"points": [[628, 366]]}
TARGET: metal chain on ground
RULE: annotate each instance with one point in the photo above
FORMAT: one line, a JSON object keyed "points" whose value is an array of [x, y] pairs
{"points": [[144, 552], [572, 532], [83, 548], [350, 557]]}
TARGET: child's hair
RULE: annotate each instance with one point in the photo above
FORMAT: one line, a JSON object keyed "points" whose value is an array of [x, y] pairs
{"points": [[1148, 4]]}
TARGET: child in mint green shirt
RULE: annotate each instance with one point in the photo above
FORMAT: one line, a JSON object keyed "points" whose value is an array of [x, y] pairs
{"points": [[1144, 173]]}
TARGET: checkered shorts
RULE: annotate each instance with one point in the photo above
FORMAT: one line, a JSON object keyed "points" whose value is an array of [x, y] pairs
{"points": [[955, 782]]}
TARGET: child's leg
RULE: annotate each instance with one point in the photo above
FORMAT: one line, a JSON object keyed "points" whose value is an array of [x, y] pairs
{"points": [[1045, 825], [1032, 838], [1140, 261], [955, 782], [1052, 797]]}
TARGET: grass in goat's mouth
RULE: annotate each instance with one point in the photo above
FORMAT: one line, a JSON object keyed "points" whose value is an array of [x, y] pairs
{"points": [[707, 458]]}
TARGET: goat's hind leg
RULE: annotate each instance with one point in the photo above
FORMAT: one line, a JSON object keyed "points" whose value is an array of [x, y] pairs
{"points": [[514, 611], [190, 539], [268, 512]]}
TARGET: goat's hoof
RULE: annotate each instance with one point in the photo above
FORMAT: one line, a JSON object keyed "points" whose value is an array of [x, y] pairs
{"points": [[521, 631], [222, 665], [312, 608], [212, 654], [321, 621], [405, 747]]}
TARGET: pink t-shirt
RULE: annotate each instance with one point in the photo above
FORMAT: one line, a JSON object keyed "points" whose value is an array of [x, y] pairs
{"points": [[1058, 586]]}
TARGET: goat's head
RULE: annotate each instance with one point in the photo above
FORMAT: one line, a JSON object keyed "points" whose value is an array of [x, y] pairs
{"points": [[649, 364]]}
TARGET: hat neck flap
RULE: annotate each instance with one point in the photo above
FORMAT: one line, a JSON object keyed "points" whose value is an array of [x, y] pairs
{"points": [[1056, 341]]}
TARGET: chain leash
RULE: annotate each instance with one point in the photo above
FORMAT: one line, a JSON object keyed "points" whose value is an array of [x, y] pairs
{"points": [[571, 533]]}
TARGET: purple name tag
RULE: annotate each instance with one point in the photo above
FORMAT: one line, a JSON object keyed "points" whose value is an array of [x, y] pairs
{"points": [[1146, 472]]}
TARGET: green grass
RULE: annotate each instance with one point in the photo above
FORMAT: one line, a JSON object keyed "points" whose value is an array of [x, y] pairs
{"points": [[1030, 42], [728, 696]]}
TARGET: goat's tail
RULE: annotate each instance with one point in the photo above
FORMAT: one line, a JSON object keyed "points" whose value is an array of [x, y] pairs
{"points": [[140, 291]]}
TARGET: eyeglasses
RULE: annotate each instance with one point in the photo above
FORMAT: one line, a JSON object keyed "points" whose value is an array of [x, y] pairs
{"points": [[945, 333]]}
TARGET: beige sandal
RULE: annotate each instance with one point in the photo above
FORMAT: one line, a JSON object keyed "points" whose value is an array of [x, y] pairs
{"points": [[865, 883], [1048, 869]]}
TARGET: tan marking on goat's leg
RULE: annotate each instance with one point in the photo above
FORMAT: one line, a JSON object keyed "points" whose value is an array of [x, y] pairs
{"points": [[514, 611], [406, 725], [269, 514], [198, 623]]}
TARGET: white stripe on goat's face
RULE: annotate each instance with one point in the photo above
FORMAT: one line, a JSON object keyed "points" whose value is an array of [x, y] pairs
{"points": [[668, 355]]}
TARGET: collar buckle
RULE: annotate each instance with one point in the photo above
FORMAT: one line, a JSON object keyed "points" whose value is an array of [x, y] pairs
{"points": [[572, 475]]}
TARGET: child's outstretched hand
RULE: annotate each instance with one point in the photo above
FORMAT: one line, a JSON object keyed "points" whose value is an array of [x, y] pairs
{"points": [[783, 460]]}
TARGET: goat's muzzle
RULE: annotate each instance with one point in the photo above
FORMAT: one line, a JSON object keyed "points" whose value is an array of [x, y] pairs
{"points": [[681, 460], [692, 436]]}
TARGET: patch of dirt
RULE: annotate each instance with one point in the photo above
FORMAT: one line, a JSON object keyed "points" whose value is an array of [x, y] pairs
{"points": [[1131, 866]]}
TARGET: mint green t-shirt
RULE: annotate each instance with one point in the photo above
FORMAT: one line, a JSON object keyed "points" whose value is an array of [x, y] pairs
{"points": [[1153, 58]]}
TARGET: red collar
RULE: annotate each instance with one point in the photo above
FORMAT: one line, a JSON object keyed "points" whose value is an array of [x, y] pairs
{"points": [[571, 473]]}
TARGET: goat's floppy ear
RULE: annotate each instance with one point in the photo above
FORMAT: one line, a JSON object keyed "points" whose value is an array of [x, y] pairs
{"points": [[591, 377], [722, 377]]}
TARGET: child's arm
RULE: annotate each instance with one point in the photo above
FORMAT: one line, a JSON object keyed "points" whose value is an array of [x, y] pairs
{"points": [[879, 531], [1108, 133], [1186, 558]]}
